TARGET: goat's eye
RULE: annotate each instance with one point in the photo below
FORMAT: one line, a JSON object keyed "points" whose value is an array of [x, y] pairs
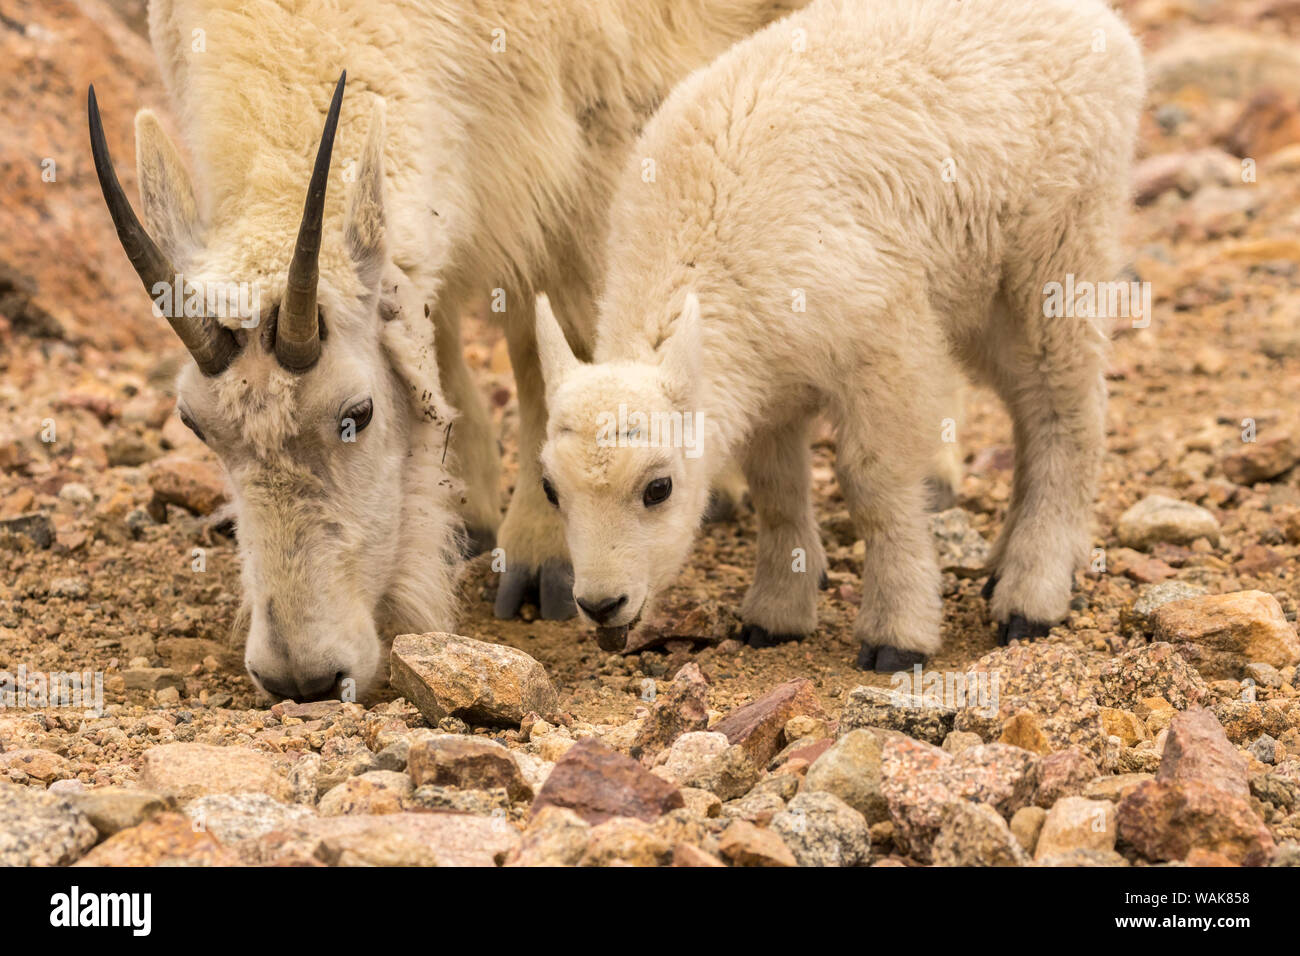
{"points": [[657, 492], [548, 489], [357, 417], [189, 423]]}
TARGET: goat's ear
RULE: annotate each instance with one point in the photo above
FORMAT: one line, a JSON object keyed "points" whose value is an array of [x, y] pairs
{"points": [[681, 352], [557, 359], [364, 231], [170, 212]]}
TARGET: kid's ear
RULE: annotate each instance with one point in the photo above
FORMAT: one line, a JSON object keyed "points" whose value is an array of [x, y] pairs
{"points": [[557, 358], [681, 351]]}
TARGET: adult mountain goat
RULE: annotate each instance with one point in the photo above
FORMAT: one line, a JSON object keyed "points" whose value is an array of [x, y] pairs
{"points": [[474, 156], [844, 204]]}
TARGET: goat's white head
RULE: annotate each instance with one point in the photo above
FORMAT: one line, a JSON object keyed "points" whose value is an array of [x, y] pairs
{"points": [[301, 402], [622, 463]]}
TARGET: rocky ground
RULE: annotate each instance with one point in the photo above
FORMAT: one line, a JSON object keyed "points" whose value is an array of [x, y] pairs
{"points": [[1158, 724]]}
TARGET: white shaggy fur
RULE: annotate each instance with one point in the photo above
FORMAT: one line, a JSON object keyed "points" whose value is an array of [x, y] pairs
{"points": [[343, 543], [809, 162], [496, 129]]}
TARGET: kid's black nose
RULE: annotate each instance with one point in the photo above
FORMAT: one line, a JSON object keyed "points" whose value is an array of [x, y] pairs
{"points": [[602, 611]]}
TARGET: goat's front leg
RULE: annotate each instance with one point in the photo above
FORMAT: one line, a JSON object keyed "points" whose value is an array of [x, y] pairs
{"points": [[781, 604], [474, 457], [532, 535]]}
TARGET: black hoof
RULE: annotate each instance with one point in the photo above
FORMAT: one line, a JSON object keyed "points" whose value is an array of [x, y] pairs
{"points": [[555, 591], [939, 494], [884, 659], [477, 541], [990, 586], [824, 582], [551, 588], [518, 584], [1021, 629], [756, 636]]}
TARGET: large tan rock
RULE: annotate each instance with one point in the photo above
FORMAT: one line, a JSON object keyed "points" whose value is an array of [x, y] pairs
{"points": [[185, 772], [449, 675], [1222, 633]]}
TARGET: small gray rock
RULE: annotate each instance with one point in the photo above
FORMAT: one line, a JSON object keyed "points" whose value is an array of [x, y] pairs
{"points": [[820, 829]]}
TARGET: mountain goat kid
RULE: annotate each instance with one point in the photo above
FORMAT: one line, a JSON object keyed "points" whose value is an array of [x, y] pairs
{"points": [[842, 205]]}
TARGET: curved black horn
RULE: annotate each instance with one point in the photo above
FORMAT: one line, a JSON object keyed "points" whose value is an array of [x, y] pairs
{"points": [[212, 345], [297, 330]]}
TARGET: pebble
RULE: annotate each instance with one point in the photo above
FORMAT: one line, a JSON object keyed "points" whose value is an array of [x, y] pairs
{"points": [[1138, 616], [391, 839], [1159, 519], [757, 728], [851, 771], [683, 709], [1077, 823], [1262, 460], [378, 791], [1167, 819], [910, 714], [1198, 751], [471, 763], [743, 844], [961, 549], [598, 783], [169, 839], [197, 486], [555, 836], [110, 809], [974, 834], [822, 830], [41, 829], [185, 771]]}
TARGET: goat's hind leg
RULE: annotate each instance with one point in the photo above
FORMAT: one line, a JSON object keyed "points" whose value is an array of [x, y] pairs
{"points": [[881, 465], [1049, 372], [781, 604]]}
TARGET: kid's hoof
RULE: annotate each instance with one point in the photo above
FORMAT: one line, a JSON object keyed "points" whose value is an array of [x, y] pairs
{"points": [[990, 586], [884, 659], [824, 582], [1021, 629], [756, 636], [477, 541], [551, 587]]}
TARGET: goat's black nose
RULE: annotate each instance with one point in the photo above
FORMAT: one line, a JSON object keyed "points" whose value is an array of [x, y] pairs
{"points": [[601, 611], [319, 687]]}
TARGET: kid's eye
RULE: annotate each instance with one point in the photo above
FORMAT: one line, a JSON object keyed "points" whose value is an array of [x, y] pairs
{"points": [[657, 491], [549, 490]]}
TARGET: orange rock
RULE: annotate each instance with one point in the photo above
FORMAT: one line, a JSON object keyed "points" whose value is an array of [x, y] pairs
{"points": [[197, 486], [1222, 633], [169, 839]]}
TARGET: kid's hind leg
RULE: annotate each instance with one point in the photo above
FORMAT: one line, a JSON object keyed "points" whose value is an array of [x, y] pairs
{"points": [[781, 604], [881, 465], [1049, 372]]}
